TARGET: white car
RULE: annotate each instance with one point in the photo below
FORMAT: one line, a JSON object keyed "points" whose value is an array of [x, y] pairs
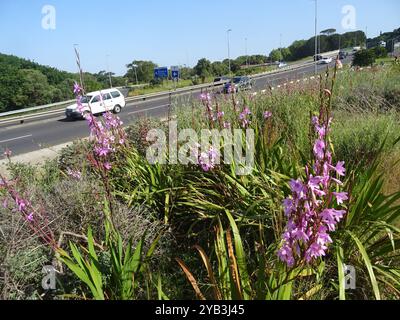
{"points": [[325, 60], [282, 65], [98, 102]]}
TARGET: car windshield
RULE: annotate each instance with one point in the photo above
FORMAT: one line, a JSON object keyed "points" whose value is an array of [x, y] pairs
{"points": [[86, 99], [236, 80]]}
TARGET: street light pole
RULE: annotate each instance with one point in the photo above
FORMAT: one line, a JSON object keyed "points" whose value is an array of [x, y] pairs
{"points": [[229, 51], [108, 70], [247, 57], [134, 67], [316, 39]]}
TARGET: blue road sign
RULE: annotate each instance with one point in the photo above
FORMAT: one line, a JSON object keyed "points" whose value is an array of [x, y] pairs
{"points": [[161, 72], [175, 74]]}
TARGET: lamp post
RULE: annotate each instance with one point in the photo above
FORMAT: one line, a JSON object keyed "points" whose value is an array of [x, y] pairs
{"points": [[108, 70], [134, 67], [247, 57], [229, 51], [316, 39]]}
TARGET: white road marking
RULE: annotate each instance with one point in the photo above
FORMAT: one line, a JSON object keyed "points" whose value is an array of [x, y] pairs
{"points": [[158, 107], [17, 138]]}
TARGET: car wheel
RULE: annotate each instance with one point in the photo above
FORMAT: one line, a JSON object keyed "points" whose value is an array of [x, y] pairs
{"points": [[117, 109]]}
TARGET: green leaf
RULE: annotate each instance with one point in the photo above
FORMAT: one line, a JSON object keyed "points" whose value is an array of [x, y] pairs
{"points": [[367, 264]]}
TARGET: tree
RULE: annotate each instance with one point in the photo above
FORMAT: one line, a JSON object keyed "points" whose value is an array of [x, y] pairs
{"points": [[286, 54], [219, 68], [203, 69], [144, 69], [364, 58], [328, 32], [380, 52], [34, 89], [276, 55]]}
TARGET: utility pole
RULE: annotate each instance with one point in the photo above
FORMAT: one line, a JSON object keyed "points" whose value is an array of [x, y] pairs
{"points": [[229, 50], [316, 40], [280, 46]]}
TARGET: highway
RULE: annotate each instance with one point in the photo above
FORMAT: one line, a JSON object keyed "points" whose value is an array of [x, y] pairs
{"points": [[50, 130]]}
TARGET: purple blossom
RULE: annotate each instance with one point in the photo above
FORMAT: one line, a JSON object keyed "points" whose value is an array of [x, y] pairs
{"points": [[340, 197], [74, 174], [227, 125], [7, 153], [77, 88], [21, 204], [306, 235], [207, 160], [319, 149], [267, 115], [30, 217], [205, 97], [339, 168], [298, 188]]}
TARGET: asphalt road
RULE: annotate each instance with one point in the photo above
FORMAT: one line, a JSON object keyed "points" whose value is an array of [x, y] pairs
{"points": [[51, 130]]}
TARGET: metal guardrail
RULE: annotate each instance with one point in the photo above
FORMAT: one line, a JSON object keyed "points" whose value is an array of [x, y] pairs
{"points": [[26, 110], [152, 95]]}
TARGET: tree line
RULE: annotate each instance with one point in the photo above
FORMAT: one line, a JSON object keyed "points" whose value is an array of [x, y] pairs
{"points": [[25, 83]]}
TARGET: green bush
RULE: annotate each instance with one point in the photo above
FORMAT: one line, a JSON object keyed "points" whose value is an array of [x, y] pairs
{"points": [[364, 58]]}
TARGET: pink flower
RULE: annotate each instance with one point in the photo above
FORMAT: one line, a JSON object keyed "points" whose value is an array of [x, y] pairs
{"points": [[227, 125], [21, 204], [8, 153], [30, 217], [297, 187], [319, 148], [339, 168], [107, 166], [267, 115], [340, 197], [77, 88], [74, 174]]}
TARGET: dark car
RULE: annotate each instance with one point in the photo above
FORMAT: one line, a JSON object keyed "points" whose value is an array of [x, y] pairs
{"points": [[318, 57], [238, 84], [223, 79], [342, 55]]}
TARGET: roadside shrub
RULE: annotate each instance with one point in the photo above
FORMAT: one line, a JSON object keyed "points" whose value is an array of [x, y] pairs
{"points": [[364, 58]]}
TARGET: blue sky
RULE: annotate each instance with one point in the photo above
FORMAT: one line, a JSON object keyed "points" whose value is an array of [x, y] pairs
{"points": [[172, 32]]}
